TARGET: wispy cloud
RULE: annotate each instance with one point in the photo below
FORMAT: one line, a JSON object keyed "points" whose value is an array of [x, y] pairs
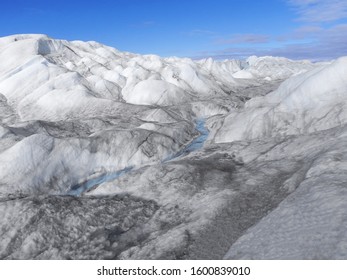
{"points": [[144, 24], [325, 44], [319, 10], [200, 33], [307, 30], [228, 53], [245, 39], [303, 32], [321, 36]]}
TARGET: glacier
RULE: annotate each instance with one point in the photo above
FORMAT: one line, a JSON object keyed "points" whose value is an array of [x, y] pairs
{"points": [[106, 154]]}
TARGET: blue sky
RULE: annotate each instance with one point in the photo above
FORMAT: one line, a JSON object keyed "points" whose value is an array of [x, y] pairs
{"points": [[297, 29]]}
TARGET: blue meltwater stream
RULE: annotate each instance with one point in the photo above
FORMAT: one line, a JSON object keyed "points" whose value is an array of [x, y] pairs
{"points": [[196, 144]]}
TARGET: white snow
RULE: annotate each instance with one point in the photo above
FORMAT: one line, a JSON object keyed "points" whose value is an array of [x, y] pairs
{"points": [[307, 102], [156, 92], [269, 183]]}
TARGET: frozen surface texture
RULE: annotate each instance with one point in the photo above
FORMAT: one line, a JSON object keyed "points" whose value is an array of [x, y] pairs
{"points": [[111, 155]]}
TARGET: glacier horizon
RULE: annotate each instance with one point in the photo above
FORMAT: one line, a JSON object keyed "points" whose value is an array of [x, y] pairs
{"points": [[269, 161]]}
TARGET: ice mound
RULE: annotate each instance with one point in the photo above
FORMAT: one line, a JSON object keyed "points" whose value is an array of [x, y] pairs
{"points": [[306, 102], [156, 92], [103, 155]]}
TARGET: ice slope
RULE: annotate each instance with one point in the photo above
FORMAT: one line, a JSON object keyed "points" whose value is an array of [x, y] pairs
{"points": [[273, 68], [43, 164], [278, 198], [311, 101], [99, 76], [127, 132], [274, 198], [310, 223], [70, 108]]}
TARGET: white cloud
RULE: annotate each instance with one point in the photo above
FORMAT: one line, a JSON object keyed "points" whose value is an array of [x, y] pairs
{"points": [[322, 35], [245, 38], [319, 10], [308, 29], [324, 44], [199, 32]]}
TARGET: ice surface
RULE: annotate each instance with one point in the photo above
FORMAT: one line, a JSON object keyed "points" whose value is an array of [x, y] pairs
{"points": [[304, 103], [112, 155]]}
